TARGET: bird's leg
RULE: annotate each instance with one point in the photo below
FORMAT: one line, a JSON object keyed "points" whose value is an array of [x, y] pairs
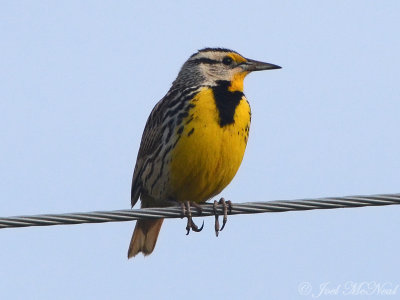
{"points": [[188, 214], [225, 205], [183, 209], [200, 210], [216, 217]]}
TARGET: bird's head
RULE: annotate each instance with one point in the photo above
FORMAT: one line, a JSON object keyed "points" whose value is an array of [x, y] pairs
{"points": [[210, 65]]}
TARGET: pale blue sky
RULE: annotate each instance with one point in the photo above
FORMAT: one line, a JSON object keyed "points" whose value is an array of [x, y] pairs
{"points": [[77, 82]]}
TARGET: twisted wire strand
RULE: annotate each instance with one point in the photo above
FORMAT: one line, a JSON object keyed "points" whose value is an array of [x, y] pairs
{"points": [[207, 210]]}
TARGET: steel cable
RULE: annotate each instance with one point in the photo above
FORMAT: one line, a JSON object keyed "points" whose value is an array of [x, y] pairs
{"points": [[207, 210]]}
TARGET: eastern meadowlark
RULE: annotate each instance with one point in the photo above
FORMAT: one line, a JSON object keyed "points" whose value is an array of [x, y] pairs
{"points": [[194, 139]]}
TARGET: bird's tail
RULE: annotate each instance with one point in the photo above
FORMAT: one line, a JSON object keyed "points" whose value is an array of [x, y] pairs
{"points": [[144, 237]]}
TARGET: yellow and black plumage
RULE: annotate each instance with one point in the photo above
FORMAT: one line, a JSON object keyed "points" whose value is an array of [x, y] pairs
{"points": [[194, 139]]}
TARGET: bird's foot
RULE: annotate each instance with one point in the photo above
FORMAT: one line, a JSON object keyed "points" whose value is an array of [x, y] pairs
{"points": [[188, 214], [225, 205]]}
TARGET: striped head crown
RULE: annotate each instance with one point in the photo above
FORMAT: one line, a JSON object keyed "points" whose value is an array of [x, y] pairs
{"points": [[212, 65]]}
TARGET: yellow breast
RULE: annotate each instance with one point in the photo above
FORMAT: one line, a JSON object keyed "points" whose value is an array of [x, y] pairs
{"points": [[207, 155]]}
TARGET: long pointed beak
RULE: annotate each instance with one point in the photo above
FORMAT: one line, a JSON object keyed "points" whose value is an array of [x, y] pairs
{"points": [[254, 65]]}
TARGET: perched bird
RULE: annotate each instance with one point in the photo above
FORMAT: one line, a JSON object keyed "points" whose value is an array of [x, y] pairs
{"points": [[194, 139]]}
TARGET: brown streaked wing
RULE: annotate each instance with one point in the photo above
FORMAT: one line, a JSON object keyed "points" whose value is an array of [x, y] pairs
{"points": [[151, 140]]}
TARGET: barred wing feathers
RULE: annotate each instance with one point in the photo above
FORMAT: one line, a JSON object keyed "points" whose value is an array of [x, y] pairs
{"points": [[162, 117]]}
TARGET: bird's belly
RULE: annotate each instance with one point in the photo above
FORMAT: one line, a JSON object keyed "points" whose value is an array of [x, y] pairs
{"points": [[207, 156]]}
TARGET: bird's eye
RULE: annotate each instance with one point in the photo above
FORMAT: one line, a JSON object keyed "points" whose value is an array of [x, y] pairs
{"points": [[227, 60]]}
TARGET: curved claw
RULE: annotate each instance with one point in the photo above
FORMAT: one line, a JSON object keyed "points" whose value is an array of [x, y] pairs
{"points": [[187, 230], [225, 212], [223, 225], [226, 205], [187, 213], [201, 228], [195, 228]]}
